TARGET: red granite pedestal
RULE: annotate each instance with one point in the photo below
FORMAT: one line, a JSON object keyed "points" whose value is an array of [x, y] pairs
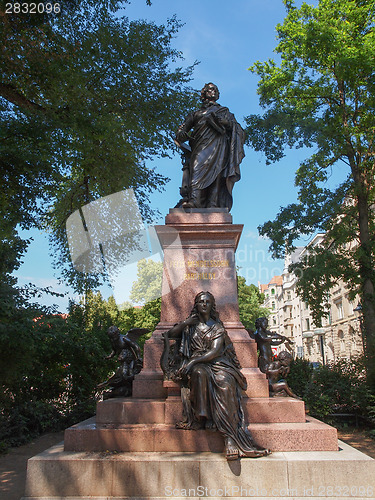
{"points": [[131, 449], [199, 254]]}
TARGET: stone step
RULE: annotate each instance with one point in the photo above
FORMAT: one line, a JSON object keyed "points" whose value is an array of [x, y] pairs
{"points": [[274, 410], [150, 384], [89, 436], [56, 474], [151, 411]]}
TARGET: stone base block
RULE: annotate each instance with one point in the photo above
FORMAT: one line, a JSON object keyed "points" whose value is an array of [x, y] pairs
{"points": [[312, 435], [273, 410], [131, 411], [149, 384], [169, 411], [257, 383], [335, 475], [245, 347], [89, 436]]}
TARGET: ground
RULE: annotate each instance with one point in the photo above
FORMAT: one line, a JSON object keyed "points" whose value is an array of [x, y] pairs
{"points": [[13, 464]]}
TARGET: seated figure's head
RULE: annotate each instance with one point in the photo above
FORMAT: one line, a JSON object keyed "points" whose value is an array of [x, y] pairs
{"points": [[285, 358], [211, 304]]}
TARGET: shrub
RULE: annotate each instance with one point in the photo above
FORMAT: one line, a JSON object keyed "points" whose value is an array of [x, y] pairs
{"points": [[300, 375], [334, 388]]}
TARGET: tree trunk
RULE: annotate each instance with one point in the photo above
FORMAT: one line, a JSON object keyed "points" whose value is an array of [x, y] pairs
{"points": [[367, 274]]}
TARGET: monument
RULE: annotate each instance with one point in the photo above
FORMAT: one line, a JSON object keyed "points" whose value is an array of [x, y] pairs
{"points": [[132, 448]]}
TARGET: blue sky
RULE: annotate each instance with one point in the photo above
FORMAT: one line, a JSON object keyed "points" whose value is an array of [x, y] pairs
{"points": [[226, 38]]}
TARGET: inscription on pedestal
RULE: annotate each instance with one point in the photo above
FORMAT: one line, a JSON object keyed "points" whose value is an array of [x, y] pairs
{"points": [[198, 269]]}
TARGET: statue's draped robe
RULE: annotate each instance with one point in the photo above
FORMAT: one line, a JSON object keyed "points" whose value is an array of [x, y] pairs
{"points": [[216, 386], [215, 155]]}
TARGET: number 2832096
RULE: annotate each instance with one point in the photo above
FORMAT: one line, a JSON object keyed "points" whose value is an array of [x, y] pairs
{"points": [[32, 8]]}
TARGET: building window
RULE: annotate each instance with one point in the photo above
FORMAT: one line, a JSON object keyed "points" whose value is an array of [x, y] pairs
{"points": [[307, 323], [350, 308], [340, 312], [340, 335], [273, 306], [272, 291], [299, 351], [274, 320], [288, 295]]}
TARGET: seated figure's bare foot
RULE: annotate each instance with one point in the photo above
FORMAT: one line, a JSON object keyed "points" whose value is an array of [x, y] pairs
{"points": [[231, 449], [210, 425], [256, 453]]}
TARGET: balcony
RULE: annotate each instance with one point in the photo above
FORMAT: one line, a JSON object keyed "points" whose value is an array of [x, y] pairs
{"points": [[307, 335]]}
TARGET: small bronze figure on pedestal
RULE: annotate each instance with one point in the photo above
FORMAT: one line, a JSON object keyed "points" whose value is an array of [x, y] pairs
{"points": [[206, 365], [265, 339], [212, 157], [276, 370], [129, 356]]}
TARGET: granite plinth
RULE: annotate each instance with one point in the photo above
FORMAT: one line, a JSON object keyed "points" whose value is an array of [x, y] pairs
{"points": [[153, 411], [311, 435], [256, 410], [58, 475], [199, 249]]}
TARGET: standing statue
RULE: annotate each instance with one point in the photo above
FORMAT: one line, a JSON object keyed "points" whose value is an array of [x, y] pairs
{"points": [[212, 383], [213, 155], [129, 356], [265, 339]]}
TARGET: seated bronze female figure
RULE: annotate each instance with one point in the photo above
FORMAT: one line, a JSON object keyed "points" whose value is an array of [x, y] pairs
{"points": [[206, 365]]}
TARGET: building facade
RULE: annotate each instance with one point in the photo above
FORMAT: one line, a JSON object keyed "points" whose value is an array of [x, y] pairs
{"points": [[339, 336]]}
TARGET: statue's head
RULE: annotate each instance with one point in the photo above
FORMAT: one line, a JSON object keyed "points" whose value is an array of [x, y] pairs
{"points": [[210, 92], [113, 332], [285, 357], [261, 322], [209, 299]]}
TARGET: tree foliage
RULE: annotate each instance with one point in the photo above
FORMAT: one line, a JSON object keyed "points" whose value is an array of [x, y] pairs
{"points": [[249, 303], [86, 96], [148, 284], [322, 96], [49, 368]]}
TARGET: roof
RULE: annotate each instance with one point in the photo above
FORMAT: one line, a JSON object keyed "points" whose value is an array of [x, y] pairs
{"points": [[276, 280]]}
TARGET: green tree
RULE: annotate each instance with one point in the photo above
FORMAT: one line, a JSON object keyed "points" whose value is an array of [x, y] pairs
{"points": [[249, 303], [322, 96], [148, 285], [112, 310], [86, 96]]}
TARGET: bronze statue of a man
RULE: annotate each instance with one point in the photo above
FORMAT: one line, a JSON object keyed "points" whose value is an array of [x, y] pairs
{"points": [[213, 155]]}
